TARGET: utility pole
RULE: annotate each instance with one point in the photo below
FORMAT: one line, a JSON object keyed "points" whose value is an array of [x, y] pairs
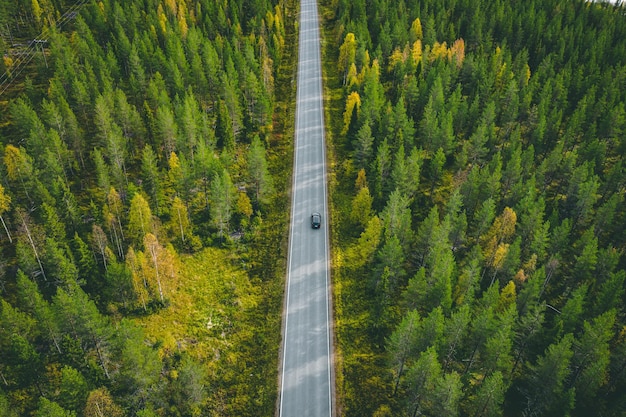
{"points": [[40, 43]]}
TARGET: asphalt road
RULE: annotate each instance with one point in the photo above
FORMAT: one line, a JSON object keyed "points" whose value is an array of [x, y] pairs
{"points": [[306, 377]]}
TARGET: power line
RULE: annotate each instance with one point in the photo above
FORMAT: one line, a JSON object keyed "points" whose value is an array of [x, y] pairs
{"points": [[27, 56]]}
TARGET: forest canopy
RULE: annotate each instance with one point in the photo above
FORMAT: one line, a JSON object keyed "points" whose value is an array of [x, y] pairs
{"points": [[138, 160], [480, 206]]}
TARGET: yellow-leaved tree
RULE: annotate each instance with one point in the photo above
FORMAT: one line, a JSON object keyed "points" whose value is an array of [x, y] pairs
{"points": [[353, 106], [416, 30], [5, 201], [100, 403], [139, 219], [180, 224], [159, 266], [347, 55], [494, 242], [134, 261]]}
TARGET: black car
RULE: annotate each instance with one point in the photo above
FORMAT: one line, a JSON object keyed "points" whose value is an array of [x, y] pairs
{"points": [[316, 220]]}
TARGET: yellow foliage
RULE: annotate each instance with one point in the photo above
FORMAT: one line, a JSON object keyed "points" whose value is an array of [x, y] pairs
{"points": [[503, 227], [5, 200], [361, 207], [352, 76], [396, 58], [507, 297], [416, 51], [383, 411], [173, 161], [458, 52], [347, 53], [140, 284], [197, 306], [531, 264], [503, 76], [8, 62], [376, 68], [278, 19], [244, 206], [162, 18], [361, 180], [100, 403], [159, 266], [520, 276], [182, 26], [353, 100], [171, 5], [506, 222], [36, 10], [455, 54], [416, 29], [359, 254], [12, 161], [269, 19], [439, 50], [500, 255], [179, 218]]}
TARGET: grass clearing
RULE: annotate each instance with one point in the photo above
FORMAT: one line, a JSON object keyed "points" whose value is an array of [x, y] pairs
{"points": [[211, 295]]}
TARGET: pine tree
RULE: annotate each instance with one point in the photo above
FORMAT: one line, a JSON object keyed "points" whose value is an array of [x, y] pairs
{"points": [[421, 381], [587, 259], [49, 408], [569, 319], [396, 218], [363, 251], [591, 357], [102, 170], [361, 211], [34, 303], [381, 170], [221, 200], [400, 344], [151, 179], [112, 214], [363, 145], [447, 395], [454, 333], [73, 389], [610, 293], [489, 397], [259, 172], [78, 317], [139, 364], [19, 168], [547, 392], [32, 237]]}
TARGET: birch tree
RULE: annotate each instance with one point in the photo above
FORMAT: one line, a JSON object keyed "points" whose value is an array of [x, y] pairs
{"points": [[5, 202]]}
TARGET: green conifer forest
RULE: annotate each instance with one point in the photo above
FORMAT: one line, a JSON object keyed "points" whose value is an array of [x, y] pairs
{"points": [[143, 192], [479, 221]]}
